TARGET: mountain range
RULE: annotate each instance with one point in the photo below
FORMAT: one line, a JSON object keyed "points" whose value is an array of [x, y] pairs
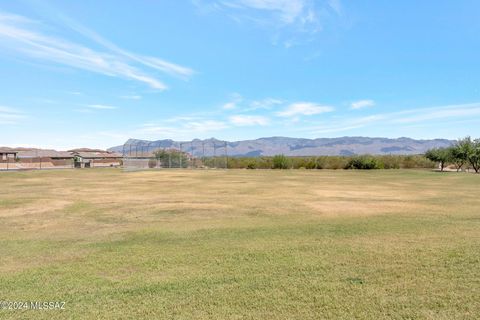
{"points": [[343, 146]]}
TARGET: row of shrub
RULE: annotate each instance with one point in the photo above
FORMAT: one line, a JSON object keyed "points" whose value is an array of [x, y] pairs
{"points": [[465, 153], [329, 162]]}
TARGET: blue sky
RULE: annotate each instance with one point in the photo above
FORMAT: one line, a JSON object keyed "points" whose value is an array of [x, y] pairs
{"points": [[94, 73]]}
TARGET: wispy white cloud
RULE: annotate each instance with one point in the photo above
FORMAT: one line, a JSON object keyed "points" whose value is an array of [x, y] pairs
{"points": [[304, 108], [205, 125], [362, 104], [162, 65], [13, 18], [183, 119], [115, 135], [345, 124], [153, 62], [132, 97], [238, 103], [428, 114], [286, 10], [229, 105], [5, 109], [84, 110], [248, 120], [266, 104], [21, 35], [90, 108], [181, 127], [101, 106], [10, 116], [288, 19], [336, 6], [45, 100], [236, 98], [405, 117]]}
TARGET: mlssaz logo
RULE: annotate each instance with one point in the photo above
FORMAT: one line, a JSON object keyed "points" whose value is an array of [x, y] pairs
{"points": [[32, 305]]}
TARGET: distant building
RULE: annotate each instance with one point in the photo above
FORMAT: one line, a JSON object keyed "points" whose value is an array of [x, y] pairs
{"points": [[95, 158], [30, 158], [43, 159], [8, 158], [7, 153]]}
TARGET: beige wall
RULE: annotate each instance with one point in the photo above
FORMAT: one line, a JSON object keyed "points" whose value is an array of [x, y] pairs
{"points": [[105, 163], [36, 163]]}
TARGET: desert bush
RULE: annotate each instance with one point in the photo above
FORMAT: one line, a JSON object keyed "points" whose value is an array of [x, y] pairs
{"points": [[280, 162], [311, 163], [264, 163], [303, 162], [251, 165], [363, 163], [320, 162], [335, 162], [324, 162], [408, 162], [416, 161], [390, 162]]}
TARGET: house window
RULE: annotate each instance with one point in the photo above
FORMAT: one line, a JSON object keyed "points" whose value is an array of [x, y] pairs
{"points": [[4, 156]]}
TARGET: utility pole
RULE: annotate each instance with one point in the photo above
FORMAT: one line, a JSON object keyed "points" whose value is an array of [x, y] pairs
{"points": [[169, 160], [214, 155], [192, 161], [203, 153], [226, 156], [181, 155]]}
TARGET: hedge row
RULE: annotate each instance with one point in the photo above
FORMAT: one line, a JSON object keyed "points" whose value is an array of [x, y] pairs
{"points": [[328, 162]]}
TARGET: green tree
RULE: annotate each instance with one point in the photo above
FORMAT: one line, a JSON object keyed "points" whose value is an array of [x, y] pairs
{"points": [[474, 154], [171, 158], [471, 148], [441, 156], [459, 152]]}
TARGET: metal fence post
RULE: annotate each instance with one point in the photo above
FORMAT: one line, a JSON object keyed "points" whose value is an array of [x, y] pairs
{"points": [[203, 153], [181, 155], [226, 156], [214, 155]]}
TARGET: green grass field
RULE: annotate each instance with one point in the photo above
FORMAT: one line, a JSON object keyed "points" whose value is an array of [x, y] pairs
{"points": [[241, 244]]}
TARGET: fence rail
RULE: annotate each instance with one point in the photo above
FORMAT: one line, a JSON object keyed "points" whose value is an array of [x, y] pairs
{"points": [[193, 155]]}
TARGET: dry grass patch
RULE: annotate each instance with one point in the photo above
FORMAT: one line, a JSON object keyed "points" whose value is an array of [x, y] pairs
{"points": [[241, 244]]}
